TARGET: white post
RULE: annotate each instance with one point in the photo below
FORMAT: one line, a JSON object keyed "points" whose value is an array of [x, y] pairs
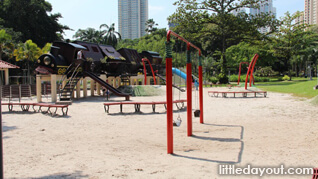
{"points": [[6, 76], [85, 87], [78, 89], [38, 88], [53, 88], [92, 87]]}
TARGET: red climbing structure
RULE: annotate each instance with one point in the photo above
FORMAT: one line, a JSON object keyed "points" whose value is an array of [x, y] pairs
{"points": [[240, 69], [251, 70], [145, 70]]}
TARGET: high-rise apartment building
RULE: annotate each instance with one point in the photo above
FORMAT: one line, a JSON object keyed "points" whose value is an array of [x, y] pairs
{"points": [[264, 7], [237, 11], [300, 19], [311, 12], [132, 17]]}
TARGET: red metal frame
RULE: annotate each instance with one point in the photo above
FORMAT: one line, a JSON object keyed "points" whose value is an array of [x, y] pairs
{"points": [[252, 77], [145, 70], [201, 93], [189, 92], [189, 98], [239, 76], [250, 70], [169, 105]]}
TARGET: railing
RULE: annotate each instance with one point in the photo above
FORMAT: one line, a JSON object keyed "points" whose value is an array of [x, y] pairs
{"points": [[74, 73]]}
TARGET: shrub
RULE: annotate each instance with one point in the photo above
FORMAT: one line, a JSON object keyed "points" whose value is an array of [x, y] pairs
{"points": [[223, 79], [265, 71], [233, 78], [213, 79], [260, 79], [286, 78]]}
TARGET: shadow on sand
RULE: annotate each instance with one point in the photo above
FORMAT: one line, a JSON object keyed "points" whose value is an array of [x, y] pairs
{"points": [[76, 174], [230, 140]]}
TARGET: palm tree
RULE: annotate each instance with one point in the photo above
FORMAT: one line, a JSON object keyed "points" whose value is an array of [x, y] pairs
{"points": [[28, 51], [150, 26], [89, 35], [5, 43], [110, 36]]}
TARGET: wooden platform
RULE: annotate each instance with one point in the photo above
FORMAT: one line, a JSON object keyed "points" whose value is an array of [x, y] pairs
{"points": [[50, 108], [244, 93], [137, 105]]}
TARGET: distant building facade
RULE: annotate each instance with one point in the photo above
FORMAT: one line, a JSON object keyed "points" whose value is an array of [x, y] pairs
{"points": [[132, 17], [300, 19], [264, 7], [237, 11], [311, 12]]}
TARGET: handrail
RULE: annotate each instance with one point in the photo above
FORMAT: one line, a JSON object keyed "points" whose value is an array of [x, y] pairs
{"points": [[65, 75], [75, 72]]}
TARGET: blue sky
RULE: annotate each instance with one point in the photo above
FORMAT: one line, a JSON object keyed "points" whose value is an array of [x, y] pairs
{"points": [[81, 14]]}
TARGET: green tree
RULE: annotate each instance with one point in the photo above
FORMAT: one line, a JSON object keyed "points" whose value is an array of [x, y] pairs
{"points": [[291, 40], [110, 36], [244, 52], [33, 18], [88, 35], [6, 46], [28, 52], [213, 23], [104, 36], [151, 26]]}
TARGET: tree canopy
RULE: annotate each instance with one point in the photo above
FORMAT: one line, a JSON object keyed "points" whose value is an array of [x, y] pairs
{"points": [[104, 36], [213, 23], [33, 19], [151, 26], [292, 40], [6, 46]]}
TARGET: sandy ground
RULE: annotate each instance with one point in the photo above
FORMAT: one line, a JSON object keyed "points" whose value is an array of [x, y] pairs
{"points": [[89, 143]]}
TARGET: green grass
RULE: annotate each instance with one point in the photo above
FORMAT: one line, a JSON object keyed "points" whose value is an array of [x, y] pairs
{"points": [[300, 87]]}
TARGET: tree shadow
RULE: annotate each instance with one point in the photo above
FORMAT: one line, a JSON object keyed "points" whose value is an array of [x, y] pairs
{"points": [[76, 174], [8, 128], [228, 140]]}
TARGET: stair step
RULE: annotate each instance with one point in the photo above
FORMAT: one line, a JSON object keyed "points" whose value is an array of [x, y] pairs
{"points": [[66, 102], [65, 94]]}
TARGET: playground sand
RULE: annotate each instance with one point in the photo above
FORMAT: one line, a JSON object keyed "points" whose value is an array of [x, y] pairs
{"points": [[89, 143]]}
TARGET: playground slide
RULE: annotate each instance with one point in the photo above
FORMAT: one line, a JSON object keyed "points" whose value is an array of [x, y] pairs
{"points": [[184, 76], [106, 85]]}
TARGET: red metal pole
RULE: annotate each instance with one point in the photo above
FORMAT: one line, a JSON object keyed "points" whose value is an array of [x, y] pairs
{"points": [[239, 76], [252, 77], [240, 69], [189, 91], [145, 71], [201, 92], [169, 105], [248, 71], [189, 98]]}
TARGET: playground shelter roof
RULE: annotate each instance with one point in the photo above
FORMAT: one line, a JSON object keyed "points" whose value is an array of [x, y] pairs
{"points": [[6, 65]]}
